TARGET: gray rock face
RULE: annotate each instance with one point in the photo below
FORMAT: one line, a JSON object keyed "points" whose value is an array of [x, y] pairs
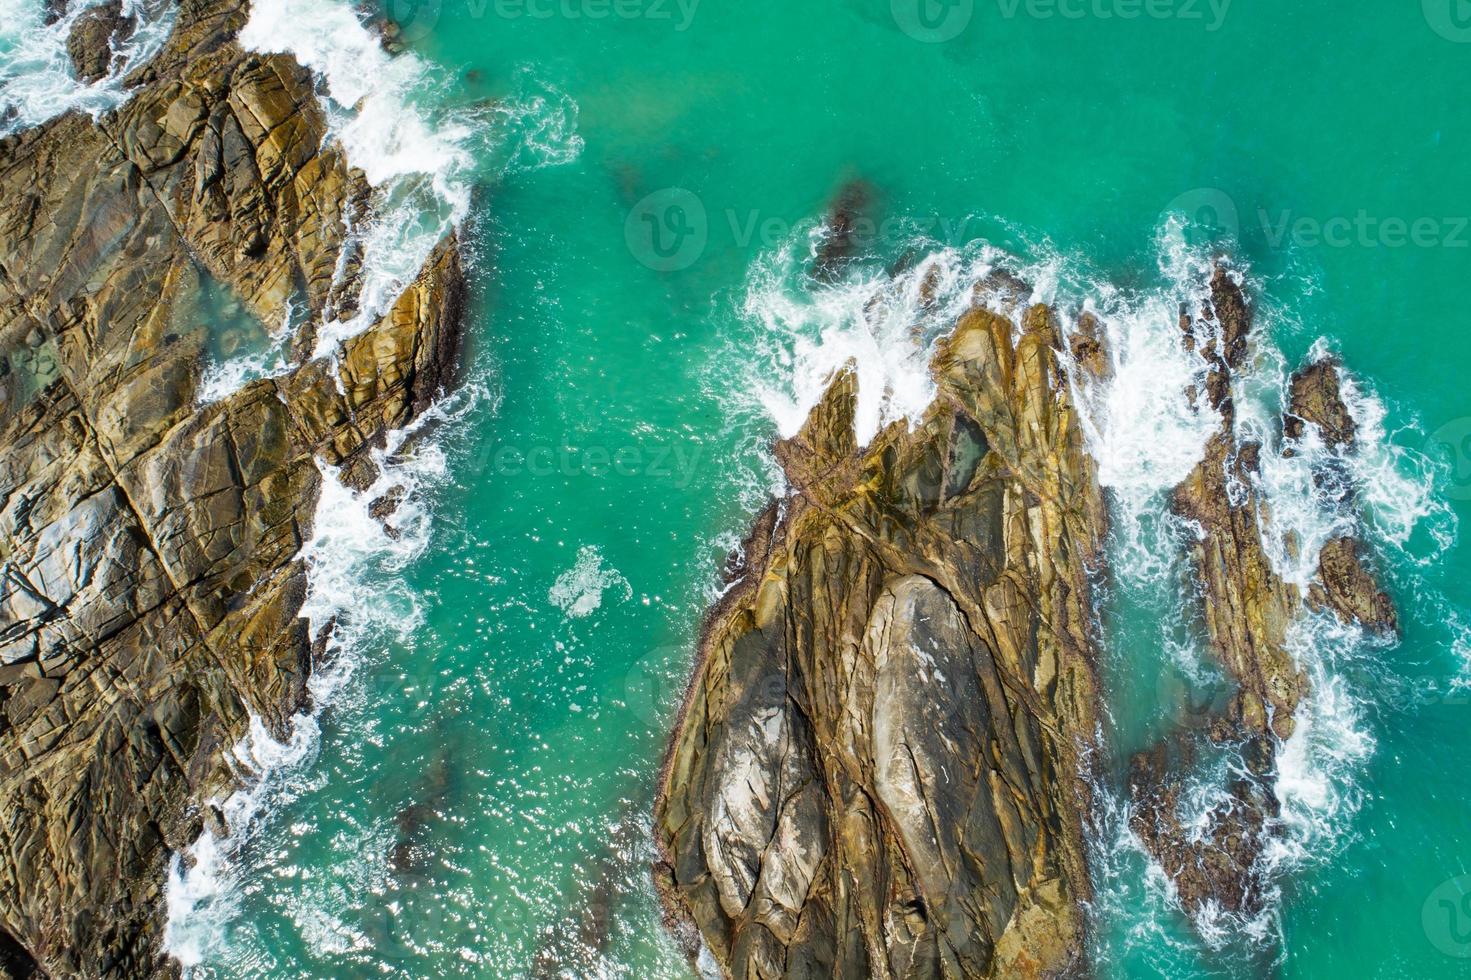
{"points": [[149, 587]]}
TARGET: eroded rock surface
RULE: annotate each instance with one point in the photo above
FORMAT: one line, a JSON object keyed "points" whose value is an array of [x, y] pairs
{"points": [[149, 585], [881, 766]]}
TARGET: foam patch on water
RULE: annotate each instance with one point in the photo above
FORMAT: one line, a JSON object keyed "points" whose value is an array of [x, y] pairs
{"points": [[536, 125], [36, 79], [355, 592], [578, 592]]}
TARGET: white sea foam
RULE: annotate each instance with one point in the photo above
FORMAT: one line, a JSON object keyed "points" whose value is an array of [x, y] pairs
{"points": [[396, 121], [1141, 427], [354, 564], [420, 167], [36, 79], [883, 327], [1379, 491], [225, 376], [420, 162], [578, 591], [1397, 483]]}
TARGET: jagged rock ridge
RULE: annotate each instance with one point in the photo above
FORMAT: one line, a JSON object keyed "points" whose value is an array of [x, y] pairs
{"points": [[881, 766]]}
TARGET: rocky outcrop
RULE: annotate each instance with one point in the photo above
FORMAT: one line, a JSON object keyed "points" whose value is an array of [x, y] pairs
{"points": [[1247, 610], [1344, 584], [881, 765], [149, 583], [1315, 399], [93, 35], [1246, 607]]}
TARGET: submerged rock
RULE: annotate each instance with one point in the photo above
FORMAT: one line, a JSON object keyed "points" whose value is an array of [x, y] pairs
{"points": [[151, 591], [1215, 861], [849, 229], [882, 765]]}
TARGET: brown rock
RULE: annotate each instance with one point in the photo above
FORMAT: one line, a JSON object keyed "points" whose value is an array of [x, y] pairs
{"points": [[1086, 344], [149, 593], [1218, 863], [1316, 400], [1345, 586], [1247, 610], [92, 37], [881, 766]]}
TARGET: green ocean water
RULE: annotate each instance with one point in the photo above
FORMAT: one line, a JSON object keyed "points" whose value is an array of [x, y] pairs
{"points": [[477, 803]]}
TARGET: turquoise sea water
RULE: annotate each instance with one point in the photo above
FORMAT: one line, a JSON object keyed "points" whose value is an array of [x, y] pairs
{"points": [[476, 802]]}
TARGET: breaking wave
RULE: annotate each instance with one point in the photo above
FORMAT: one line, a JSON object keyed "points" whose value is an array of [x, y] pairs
{"points": [[37, 82], [421, 152], [422, 157], [356, 601]]}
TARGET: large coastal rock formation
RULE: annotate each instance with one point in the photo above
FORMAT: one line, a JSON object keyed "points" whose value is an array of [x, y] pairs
{"points": [[149, 581], [880, 769], [1247, 610], [883, 764]]}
